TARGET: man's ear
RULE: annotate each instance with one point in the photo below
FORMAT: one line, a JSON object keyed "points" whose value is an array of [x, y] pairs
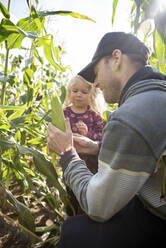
{"points": [[117, 55]]}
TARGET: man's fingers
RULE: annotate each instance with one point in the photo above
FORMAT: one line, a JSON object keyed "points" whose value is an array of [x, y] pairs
{"points": [[68, 127], [50, 129], [77, 135]]}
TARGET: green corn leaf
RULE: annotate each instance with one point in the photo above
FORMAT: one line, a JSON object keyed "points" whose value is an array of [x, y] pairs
{"points": [[27, 77], [35, 24], [12, 107], [115, 2], [16, 114], [4, 127], [46, 168], [18, 111], [160, 50], [3, 116], [65, 13], [18, 122], [25, 217], [28, 34], [9, 77], [47, 44], [4, 11], [159, 46], [14, 34], [36, 54], [35, 141], [106, 115], [7, 143], [6, 29], [28, 3]]}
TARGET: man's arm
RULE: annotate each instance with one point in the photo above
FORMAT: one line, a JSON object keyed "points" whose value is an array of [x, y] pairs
{"points": [[125, 163]]}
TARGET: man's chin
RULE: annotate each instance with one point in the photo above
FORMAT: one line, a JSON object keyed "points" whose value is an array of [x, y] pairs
{"points": [[109, 101]]}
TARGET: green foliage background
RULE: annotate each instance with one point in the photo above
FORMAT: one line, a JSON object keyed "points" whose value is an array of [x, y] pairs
{"points": [[25, 96]]}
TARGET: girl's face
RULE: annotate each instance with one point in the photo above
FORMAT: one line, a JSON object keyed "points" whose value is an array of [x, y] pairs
{"points": [[80, 94]]}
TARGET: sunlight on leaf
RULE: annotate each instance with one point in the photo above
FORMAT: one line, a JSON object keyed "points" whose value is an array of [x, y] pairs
{"points": [[65, 13], [160, 49], [4, 11], [47, 44], [115, 2], [16, 114], [9, 107]]}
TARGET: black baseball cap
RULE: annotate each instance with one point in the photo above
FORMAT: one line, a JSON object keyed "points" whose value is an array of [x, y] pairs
{"points": [[127, 43]]}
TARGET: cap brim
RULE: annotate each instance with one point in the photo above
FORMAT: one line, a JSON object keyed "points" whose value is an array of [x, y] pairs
{"points": [[88, 72]]}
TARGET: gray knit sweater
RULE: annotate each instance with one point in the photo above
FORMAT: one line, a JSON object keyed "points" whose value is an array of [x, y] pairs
{"points": [[133, 140]]}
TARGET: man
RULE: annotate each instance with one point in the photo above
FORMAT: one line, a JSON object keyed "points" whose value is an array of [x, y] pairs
{"points": [[122, 201]]}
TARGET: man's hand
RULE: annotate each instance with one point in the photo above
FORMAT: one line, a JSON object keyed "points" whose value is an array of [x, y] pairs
{"points": [[85, 145], [57, 140]]}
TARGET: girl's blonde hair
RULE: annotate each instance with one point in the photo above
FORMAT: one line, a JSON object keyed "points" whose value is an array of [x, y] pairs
{"points": [[93, 94]]}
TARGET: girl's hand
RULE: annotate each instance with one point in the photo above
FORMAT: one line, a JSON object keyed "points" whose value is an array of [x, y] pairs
{"points": [[57, 140], [82, 128]]}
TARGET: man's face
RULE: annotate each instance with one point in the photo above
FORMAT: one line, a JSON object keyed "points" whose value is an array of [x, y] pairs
{"points": [[107, 80]]}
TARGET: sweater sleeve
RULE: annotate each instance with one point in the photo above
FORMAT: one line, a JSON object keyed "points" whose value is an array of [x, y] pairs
{"points": [[125, 164]]}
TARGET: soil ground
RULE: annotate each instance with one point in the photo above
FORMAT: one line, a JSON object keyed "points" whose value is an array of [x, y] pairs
{"points": [[12, 236]]}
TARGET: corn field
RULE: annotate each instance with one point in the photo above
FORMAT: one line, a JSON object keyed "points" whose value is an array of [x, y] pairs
{"points": [[32, 192]]}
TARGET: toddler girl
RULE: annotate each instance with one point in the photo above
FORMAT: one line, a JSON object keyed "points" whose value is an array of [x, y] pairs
{"points": [[82, 109]]}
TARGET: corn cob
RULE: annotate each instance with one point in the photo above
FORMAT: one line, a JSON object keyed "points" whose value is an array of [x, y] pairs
{"points": [[57, 113], [58, 120]]}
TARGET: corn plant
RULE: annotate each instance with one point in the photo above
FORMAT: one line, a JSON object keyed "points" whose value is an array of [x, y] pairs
{"points": [[148, 17], [28, 80]]}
